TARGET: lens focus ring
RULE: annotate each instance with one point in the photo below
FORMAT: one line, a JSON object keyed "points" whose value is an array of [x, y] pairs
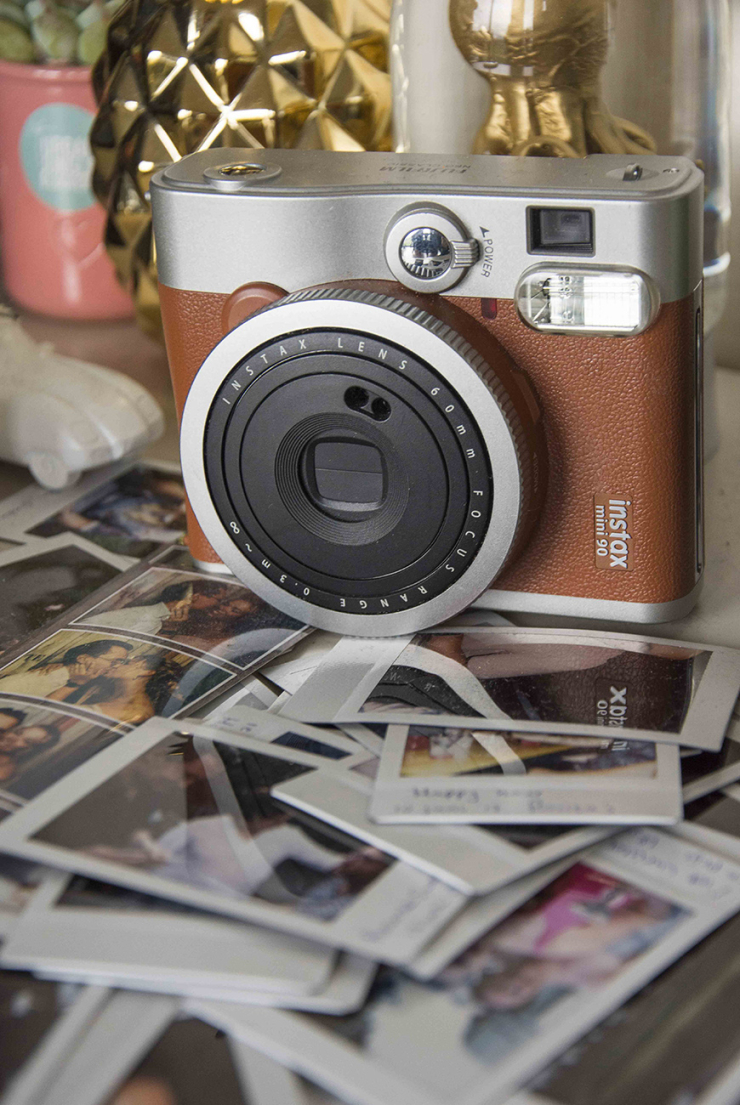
{"points": [[415, 409]]}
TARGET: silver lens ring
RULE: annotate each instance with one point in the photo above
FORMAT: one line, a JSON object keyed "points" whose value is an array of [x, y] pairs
{"points": [[382, 319]]}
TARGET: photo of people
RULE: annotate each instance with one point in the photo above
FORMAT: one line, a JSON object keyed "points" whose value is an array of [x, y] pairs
{"points": [[659, 1048], [131, 514], [200, 813], [433, 752], [38, 587], [39, 746], [492, 674], [217, 617], [189, 1065], [573, 937], [121, 679]]}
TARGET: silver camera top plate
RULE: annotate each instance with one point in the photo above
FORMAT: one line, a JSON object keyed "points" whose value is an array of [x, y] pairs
{"points": [[325, 217]]}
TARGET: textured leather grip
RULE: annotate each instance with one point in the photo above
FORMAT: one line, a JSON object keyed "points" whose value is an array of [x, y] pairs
{"points": [[620, 420], [192, 326]]}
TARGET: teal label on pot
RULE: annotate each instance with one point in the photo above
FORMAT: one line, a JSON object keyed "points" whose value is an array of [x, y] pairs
{"points": [[56, 157]]}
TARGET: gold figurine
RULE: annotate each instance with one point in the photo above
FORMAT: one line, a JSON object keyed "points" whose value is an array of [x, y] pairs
{"points": [[543, 59]]}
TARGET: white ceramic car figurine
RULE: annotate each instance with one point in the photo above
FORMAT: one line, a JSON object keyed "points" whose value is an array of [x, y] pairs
{"points": [[60, 416]]}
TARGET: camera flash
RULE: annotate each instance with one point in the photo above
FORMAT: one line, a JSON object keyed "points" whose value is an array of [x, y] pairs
{"points": [[586, 301]]}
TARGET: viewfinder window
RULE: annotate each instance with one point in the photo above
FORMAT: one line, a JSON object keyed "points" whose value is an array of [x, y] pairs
{"points": [[561, 230]]}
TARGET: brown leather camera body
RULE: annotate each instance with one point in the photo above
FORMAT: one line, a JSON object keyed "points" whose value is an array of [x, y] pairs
{"points": [[620, 517]]}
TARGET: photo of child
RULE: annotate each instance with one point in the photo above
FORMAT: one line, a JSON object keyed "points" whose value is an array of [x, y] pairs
{"points": [[217, 617], [39, 746], [121, 679], [200, 813], [571, 938], [445, 751], [131, 514], [646, 686]]}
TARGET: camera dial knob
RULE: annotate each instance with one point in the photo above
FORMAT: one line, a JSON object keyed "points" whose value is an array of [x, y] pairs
{"points": [[428, 249], [426, 253]]}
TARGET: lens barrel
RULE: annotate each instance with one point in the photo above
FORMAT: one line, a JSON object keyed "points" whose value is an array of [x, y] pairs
{"points": [[342, 462]]}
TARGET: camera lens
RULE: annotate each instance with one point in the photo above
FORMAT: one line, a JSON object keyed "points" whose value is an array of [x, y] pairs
{"points": [[344, 467], [344, 476], [316, 477]]}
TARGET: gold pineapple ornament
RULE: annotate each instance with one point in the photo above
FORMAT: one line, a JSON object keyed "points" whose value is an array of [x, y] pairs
{"points": [[180, 76], [543, 59]]}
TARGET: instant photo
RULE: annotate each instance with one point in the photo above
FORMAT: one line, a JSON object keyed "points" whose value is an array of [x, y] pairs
{"points": [[429, 774], [703, 772], [291, 672], [41, 582], [267, 1082], [83, 929], [163, 1057], [481, 914], [254, 693], [205, 615], [557, 681], [526, 990], [39, 745], [120, 679], [190, 1064], [468, 858], [659, 1048], [344, 992], [719, 811], [19, 880], [28, 1009], [40, 1022], [476, 858], [129, 509], [329, 744], [94, 1067], [186, 813]]}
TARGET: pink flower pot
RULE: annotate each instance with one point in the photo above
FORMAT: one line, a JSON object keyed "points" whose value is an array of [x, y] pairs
{"points": [[53, 257]]}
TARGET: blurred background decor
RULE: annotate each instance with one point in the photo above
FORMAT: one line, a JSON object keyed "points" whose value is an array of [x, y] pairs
{"points": [[562, 78], [53, 257], [544, 63], [185, 75]]}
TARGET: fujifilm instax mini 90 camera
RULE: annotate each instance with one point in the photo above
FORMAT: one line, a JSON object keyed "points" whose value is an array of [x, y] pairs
{"points": [[408, 383]]}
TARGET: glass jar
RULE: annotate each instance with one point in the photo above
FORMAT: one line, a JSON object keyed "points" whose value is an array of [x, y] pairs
{"points": [[661, 67]]}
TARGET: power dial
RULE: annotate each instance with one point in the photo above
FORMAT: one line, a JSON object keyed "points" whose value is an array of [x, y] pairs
{"points": [[428, 249]]}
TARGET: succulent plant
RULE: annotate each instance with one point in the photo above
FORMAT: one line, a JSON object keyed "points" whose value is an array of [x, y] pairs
{"points": [[16, 13], [15, 41], [63, 32], [54, 32]]}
